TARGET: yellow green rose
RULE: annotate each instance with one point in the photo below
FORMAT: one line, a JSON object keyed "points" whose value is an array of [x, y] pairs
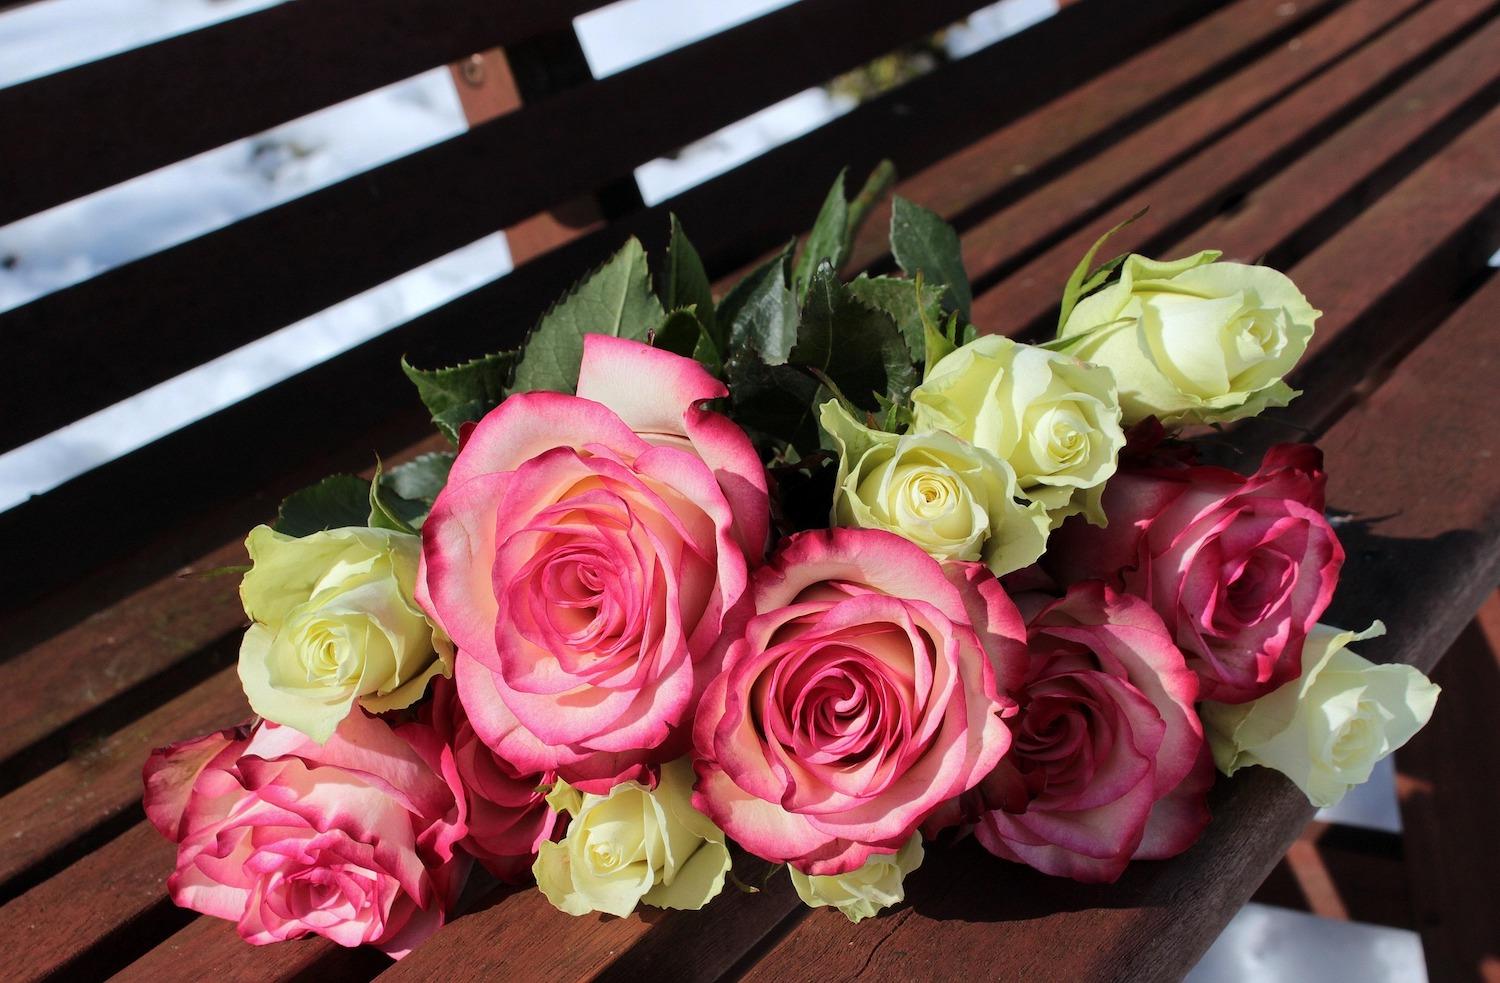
{"points": [[1054, 419], [1326, 729], [633, 845], [335, 623], [955, 500], [1194, 340], [865, 891]]}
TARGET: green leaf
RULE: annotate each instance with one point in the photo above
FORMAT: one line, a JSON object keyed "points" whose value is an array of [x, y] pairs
{"points": [[898, 298], [829, 240], [333, 503], [775, 403], [1080, 282], [876, 186], [682, 334], [922, 242], [854, 344], [387, 510], [615, 299], [461, 393], [838, 222], [687, 283], [421, 478], [761, 311]]}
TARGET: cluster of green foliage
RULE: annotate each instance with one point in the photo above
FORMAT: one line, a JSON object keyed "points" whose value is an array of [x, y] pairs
{"points": [[787, 337]]}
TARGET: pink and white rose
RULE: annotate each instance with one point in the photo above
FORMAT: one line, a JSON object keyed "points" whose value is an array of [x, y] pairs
{"points": [[869, 688], [352, 840], [505, 810], [1239, 568], [1108, 761], [586, 556]]}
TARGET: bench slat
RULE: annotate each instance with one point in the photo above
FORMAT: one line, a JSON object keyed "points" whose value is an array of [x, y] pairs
{"points": [[102, 782], [89, 127], [332, 402], [149, 320], [1213, 164]]}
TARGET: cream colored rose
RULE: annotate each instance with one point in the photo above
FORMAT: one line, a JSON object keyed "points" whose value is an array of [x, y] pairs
{"points": [[1327, 729], [954, 500], [1193, 340], [334, 623], [634, 844], [863, 892], [1054, 419]]}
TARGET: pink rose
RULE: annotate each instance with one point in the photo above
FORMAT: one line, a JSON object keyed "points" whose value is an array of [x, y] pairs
{"points": [[505, 810], [868, 689], [352, 840], [1239, 568], [1108, 761], [586, 555]]}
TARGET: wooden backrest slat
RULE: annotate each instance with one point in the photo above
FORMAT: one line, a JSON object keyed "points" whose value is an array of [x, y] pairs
{"points": [[89, 127], [1366, 48], [332, 402], [151, 319]]}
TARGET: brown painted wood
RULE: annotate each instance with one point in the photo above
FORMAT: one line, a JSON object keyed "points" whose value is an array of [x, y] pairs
{"points": [[208, 948], [332, 402], [117, 889], [121, 646], [88, 127], [274, 268], [101, 783], [518, 933], [1002, 165], [1216, 147], [1447, 810], [1422, 568]]}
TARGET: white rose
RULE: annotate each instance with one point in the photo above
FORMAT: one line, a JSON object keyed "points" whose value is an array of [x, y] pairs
{"points": [[1326, 729], [335, 622], [865, 891], [1054, 419], [954, 500], [631, 845], [1193, 340]]}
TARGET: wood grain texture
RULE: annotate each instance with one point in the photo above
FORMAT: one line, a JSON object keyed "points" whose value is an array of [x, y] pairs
{"points": [[103, 781], [142, 109], [209, 948], [332, 400], [105, 894], [1186, 165], [144, 322]]}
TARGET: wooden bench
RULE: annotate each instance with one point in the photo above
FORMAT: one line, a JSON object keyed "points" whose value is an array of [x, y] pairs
{"points": [[1353, 144]]}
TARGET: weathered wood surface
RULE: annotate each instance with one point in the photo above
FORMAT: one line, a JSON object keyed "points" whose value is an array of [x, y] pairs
{"points": [[1350, 142]]}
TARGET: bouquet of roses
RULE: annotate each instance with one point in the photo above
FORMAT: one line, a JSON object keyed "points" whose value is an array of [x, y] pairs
{"points": [[814, 568]]}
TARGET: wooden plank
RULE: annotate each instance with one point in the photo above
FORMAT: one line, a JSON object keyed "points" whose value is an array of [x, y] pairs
{"points": [[113, 892], [332, 402], [101, 783], [366, 229], [1422, 566], [1003, 164], [519, 933], [208, 948], [1448, 805], [92, 126], [1223, 143], [121, 646]]}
